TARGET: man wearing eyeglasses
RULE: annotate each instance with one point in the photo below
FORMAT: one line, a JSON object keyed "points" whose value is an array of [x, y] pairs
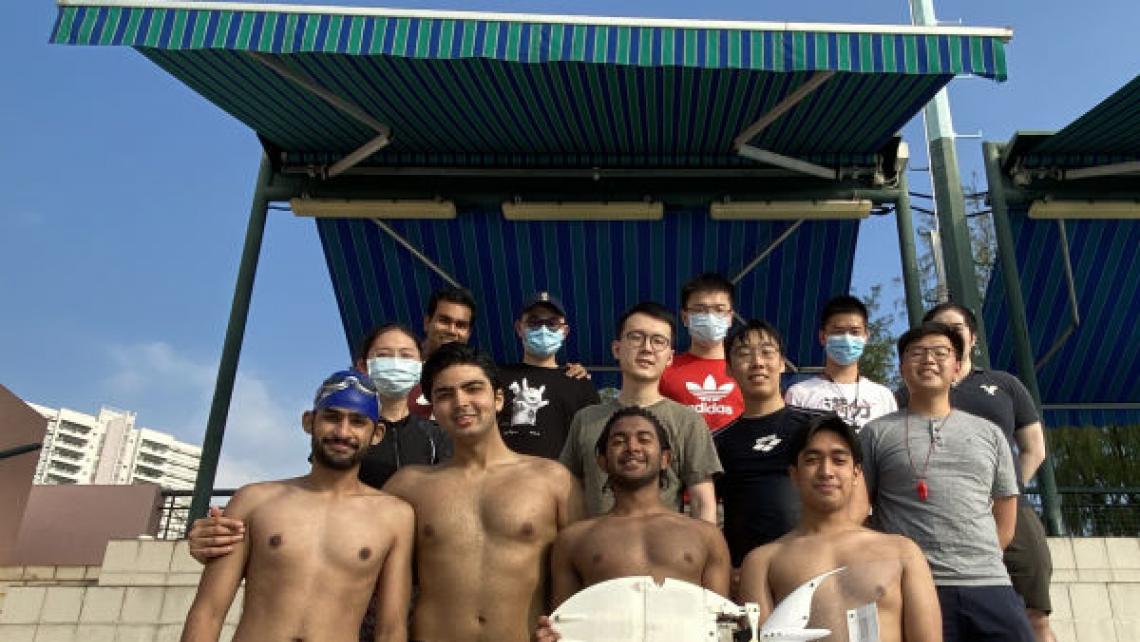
{"points": [[945, 479], [643, 348], [541, 397], [699, 378]]}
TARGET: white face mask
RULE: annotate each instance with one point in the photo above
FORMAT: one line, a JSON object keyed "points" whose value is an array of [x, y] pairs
{"points": [[394, 376], [709, 326]]}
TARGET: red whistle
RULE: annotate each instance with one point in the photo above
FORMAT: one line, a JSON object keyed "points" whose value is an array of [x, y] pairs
{"points": [[923, 490]]}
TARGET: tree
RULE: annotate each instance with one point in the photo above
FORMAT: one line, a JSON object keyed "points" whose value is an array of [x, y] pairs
{"points": [[983, 245], [879, 362]]}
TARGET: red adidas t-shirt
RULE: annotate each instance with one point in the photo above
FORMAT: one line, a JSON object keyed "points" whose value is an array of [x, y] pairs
{"points": [[703, 385]]}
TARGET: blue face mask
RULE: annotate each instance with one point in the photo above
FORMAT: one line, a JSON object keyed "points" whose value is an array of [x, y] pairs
{"points": [[543, 341], [394, 376], [708, 327], [845, 349]]}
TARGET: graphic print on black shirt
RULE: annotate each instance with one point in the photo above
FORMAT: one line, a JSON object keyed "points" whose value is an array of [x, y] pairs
{"points": [[538, 407]]}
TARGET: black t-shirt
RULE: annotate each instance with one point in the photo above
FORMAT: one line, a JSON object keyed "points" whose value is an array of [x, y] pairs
{"points": [[540, 402], [995, 396], [411, 440], [760, 502]]}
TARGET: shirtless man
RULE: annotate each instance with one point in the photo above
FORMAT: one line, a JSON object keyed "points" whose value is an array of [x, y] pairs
{"points": [[487, 519], [889, 570], [639, 535], [317, 544]]}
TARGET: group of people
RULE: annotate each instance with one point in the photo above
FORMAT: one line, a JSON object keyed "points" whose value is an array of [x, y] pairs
{"points": [[497, 493]]}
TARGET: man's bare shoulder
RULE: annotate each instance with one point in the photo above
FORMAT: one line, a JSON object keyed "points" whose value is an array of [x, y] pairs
{"points": [[579, 530], [546, 468], [405, 480], [761, 556], [252, 495]]}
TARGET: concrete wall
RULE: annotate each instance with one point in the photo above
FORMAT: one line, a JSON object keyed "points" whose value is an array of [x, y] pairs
{"points": [[71, 525], [143, 591], [19, 425], [1096, 589]]}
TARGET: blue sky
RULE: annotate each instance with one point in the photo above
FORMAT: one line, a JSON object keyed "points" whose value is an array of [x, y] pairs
{"points": [[126, 195]]}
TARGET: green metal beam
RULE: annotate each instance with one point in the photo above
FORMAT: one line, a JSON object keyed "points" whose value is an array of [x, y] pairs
{"points": [[231, 348], [912, 285], [1023, 351], [957, 252]]}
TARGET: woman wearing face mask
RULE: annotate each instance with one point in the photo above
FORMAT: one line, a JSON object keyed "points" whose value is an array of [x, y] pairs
{"points": [[391, 356]]}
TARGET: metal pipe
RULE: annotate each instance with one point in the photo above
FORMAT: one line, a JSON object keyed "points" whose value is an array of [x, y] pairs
{"points": [[19, 450], [1019, 324], [912, 284], [791, 100], [423, 258], [1074, 307], [768, 250], [231, 348]]}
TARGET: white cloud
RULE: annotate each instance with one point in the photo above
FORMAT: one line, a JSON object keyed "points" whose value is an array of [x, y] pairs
{"points": [[172, 392]]}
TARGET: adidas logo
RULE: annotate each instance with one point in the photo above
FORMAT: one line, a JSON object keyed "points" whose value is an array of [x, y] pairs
{"points": [[709, 392]]}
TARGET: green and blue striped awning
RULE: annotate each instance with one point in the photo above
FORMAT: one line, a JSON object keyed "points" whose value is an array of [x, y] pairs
{"points": [[1108, 133], [504, 262], [493, 91], [526, 90], [1094, 378]]}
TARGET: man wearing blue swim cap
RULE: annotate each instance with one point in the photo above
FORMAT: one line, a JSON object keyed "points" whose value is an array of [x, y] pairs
{"points": [[314, 547]]}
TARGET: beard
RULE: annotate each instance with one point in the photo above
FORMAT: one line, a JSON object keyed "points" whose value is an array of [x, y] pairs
{"points": [[336, 461], [651, 476]]}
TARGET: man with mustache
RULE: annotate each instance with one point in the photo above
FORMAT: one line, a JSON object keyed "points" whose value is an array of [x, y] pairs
{"points": [[639, 535], [316, 545], [449, 318]]}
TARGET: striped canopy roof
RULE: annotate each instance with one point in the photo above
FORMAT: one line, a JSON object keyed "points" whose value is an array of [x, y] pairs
{"points": [[1099, 363], [506, 90], [495, 92], [1108, 133]]}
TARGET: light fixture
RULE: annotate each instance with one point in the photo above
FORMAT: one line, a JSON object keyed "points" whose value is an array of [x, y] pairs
{"points": [[583, 211], [790, 210], [1084, 209], [372, 208]]}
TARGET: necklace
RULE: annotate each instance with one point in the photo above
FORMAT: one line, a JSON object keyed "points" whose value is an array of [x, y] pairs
{"points": [[920, 478], [851, 407]]}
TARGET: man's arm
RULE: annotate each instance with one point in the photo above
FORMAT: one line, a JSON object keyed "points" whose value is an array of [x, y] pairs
{"points": [[220, 579], [1030, 449], [718, 564], [921, 615], [754, 585], [702, 501], [395, 584], [215, 535], [563, 578], [1005, 516]]}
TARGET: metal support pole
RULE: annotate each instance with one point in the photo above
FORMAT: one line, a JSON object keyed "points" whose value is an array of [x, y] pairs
{"points": [[951, 206], [911, 283], [1015, 304], [231, 349]]}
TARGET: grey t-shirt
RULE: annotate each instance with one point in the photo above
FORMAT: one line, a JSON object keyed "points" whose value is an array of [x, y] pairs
{"points": [[970, 464], [694, 455]]}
